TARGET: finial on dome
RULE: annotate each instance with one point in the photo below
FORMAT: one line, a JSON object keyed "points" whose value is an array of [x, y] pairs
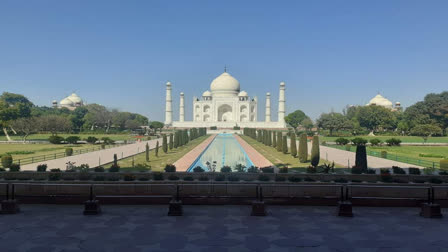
{"points": [[225, 69]]}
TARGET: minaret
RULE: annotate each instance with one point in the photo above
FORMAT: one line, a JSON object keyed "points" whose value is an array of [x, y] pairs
{"points": [[168, 106], [181, 108], [268, 107], [281, 104]]}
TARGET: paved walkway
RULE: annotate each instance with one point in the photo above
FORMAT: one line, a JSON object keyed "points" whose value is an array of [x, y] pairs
{"points": [[258, 159], [220, 228], [96, 158], [188, 159], [347, 158]]}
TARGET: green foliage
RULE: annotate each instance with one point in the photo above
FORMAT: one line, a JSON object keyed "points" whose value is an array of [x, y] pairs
{"points": [[359, 141], [7, 161], [283, 170], [264, 178], [385, 175], [303, 148], [198, 169], [72, 139], [414, 171], [114, 168], [147, 152], [393, 142], [156, 151], [398, 170], [252, 169], [311, 169], [342, 141], [220, 178], [284, 145], [279, 141], [176, 139], [383, 154], [431, 155], [68, 152], [233, 178], [375, 142], [267, 169], [99, 169], [315, 152], [375, 118], [91, 139], [171, 143], [429, 171], [240, 168], [226, 169], [157, 176], [164, 144], [55, 139], [170, 168], [42, 168], [115, 160], [361, 158], [274, 139], [295, 118], [14, 167], [107, 140], [426, 131], [333, 121]]}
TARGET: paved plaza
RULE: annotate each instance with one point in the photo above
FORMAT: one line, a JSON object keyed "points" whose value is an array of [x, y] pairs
{"points": [[220, 228]]}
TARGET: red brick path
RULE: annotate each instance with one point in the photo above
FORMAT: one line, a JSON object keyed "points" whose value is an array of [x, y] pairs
{"points": [[258, 159]]}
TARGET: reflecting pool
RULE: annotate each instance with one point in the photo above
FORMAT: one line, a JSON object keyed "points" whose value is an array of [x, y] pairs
{"points": [[224, 150]]}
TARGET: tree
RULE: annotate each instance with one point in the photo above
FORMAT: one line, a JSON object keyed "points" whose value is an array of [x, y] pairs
{"points": [[25, 126], [361, 158], [156, 125], [285, 144], [176, 139], [333, 121], [164, 144], [274, 139], [295, 118], [171, 144], [54, 124], [77, 118], [303, 148], [315, 152], [98, 116], [147, 152], [307, 123], [426, 131], [293, 145], [279, 141], [12, 107], [375, 118], [156, 152]]}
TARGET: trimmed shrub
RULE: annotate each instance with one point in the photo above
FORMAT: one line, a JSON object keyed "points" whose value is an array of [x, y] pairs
{"points": [[274, 139], [220, 178], [42, 168], [342, 141], [393, 142], [383, 154], [188, 178], [311, 169], [267, 170], [226, 169], [444, 164], [55, 139], [303, 148], [262, 177], [157, 176], [252, 169], [129, 177], [203, 178], [361, 158], [279, 141], [375, 142], [233, 178], [164, 144], [398, 170], [114, 168], [7, 161], [414, 171], [359, 141], [385, 175], [103, 146], [315, 152], [173, 177], [429, 171], [68, 152], [157, 149], [115, 160], [285, 144], [72, 139], [99, 169], [356, 170], [213, 128], [147, 152], [14, 167], [91, 140], [371, 171], [283, 170], [170, 168], [198, 169], [171, 143], [107, 140]]}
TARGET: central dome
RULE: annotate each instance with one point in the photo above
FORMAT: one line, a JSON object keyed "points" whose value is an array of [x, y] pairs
{"points": [[225, 85]]}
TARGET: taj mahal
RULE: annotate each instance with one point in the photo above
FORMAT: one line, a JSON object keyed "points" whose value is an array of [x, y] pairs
{"points": [[225, 106]]}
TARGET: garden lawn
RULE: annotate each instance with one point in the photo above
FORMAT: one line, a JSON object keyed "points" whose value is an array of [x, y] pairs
{"points": [[83, 136], [404, 139], [282, 160], [159, 163], [20, 151]]}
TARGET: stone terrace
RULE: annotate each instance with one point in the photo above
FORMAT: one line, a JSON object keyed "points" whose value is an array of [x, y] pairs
{"points": [[220, 228]]}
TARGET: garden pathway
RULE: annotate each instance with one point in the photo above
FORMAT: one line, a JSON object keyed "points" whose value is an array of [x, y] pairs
{"points": [[96, 158]]}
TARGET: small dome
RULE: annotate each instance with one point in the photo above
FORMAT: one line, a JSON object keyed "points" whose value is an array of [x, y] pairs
{"points": [[282, 84], [243, 94], [181, 93], [268, 94], [207, 93], [168, 84], [66, 102], [225, 85], [379, 100], [75, 98]]}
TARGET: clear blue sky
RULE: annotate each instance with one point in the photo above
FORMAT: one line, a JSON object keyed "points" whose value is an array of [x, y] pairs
{"points": [[120, 53]]}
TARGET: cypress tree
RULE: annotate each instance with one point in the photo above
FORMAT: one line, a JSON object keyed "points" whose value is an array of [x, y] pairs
{"points": [[157, 149], [361, 158], [303, 148], [269, 138], [171, 145], [147, 152], [293, 145], [164, 144], [315, 153], [115, 160], [176, 139], [274, 139], [285, 144], [186, 136], [279, 141]]}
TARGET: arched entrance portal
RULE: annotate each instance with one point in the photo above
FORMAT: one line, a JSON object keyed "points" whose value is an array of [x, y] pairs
{"points": [[225, 113]]}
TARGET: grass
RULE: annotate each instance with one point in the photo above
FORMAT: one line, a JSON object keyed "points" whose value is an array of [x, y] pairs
{"points": [[42, 137], [19, 151], [404, 139], [279, 159], [158, 163]]}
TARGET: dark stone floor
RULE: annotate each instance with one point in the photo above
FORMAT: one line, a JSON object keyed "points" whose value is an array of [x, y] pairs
{"points": [[220, 228]]}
